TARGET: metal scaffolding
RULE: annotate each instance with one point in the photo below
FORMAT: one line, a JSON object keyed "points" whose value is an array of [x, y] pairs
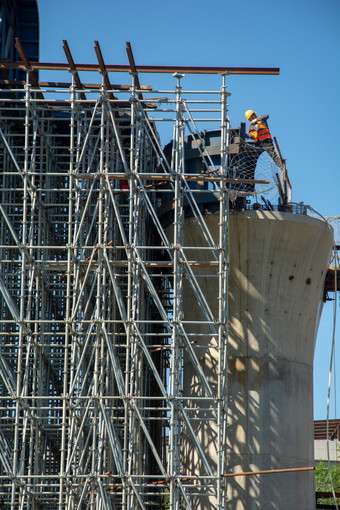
{"points": [[93, 405]]}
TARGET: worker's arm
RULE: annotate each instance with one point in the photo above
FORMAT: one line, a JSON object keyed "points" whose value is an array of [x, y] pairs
{"points": [[252, 127], [263, 117], [249, 135]]}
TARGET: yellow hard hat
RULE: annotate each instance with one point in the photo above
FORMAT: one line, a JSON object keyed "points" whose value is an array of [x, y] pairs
{"points": [[249, 113]]}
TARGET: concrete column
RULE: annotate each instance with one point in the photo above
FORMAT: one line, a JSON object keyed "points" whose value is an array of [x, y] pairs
{"points": [[278, 264]]}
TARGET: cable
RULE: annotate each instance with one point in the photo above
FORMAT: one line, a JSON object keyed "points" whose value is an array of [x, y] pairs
{"points": [[330, 374]]}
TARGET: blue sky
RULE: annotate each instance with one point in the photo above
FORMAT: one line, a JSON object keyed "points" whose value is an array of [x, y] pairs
{"points": [[302, 37]]}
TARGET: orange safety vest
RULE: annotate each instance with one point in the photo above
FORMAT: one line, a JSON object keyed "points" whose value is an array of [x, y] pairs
{"points": [[262, 134]]}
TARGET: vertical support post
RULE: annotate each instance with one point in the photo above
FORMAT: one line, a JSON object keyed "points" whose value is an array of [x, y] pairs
{"points": [[223, 263], [176, 375], [68, 326], [97, 380], [135, 387], [285, 185], [22, 292], [130, 333]]}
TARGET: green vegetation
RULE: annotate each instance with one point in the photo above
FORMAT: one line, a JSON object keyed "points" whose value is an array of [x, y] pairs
{"points": [[323, 481]]}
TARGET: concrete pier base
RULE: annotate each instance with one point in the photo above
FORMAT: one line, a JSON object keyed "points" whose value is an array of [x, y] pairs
{"points": [[278, 264]]}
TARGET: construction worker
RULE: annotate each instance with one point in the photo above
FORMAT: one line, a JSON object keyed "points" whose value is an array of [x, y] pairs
{"points": [[259, 132]]}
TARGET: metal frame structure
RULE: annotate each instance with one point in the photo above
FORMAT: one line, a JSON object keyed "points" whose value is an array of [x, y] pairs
{"points": [[92, 336]]}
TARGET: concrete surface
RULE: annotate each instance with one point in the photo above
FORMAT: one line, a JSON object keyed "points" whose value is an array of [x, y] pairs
{"points": [[278, 263]]}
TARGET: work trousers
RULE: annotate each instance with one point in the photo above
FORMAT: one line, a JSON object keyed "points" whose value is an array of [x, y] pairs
{"points": [[267, 145]]}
